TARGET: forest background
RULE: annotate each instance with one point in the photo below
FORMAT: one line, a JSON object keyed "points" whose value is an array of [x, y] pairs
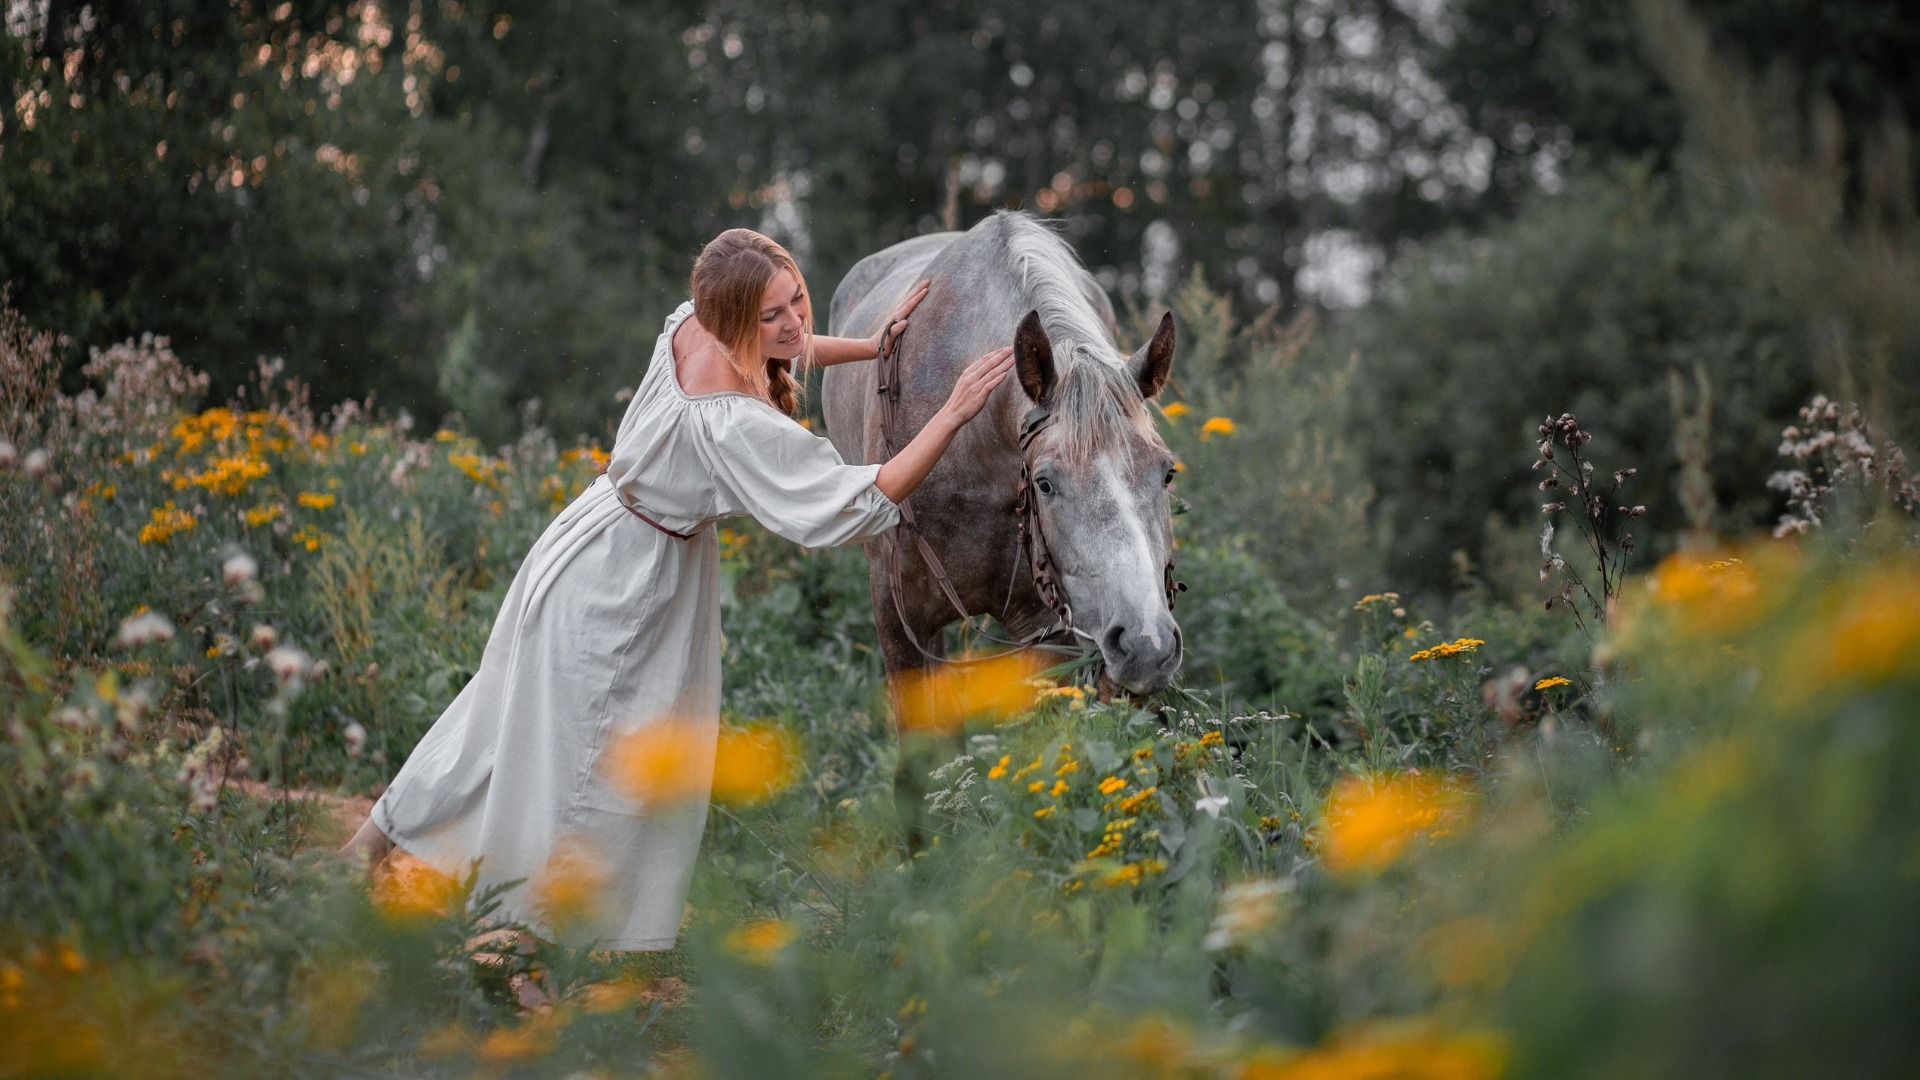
{"points": [[480, 212]]}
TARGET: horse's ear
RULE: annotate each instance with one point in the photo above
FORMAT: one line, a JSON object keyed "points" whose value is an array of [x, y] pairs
{"points": [[1033, 358], [1154, 362]]}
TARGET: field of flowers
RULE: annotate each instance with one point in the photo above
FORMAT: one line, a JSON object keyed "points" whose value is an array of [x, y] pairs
{"points": [[1371, 836]]}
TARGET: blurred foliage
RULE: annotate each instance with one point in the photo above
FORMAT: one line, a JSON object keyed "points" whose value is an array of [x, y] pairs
{"points": [[1583, 305]]}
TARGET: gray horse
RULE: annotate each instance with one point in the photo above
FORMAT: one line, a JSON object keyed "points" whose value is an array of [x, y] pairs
{"points": [[1099, 471]]}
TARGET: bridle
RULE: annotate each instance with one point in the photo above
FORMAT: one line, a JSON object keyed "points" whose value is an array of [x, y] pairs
{"points": [[1033, 548]]}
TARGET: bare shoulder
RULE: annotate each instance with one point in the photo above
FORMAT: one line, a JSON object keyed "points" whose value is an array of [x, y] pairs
{"points": [[701, 363]]}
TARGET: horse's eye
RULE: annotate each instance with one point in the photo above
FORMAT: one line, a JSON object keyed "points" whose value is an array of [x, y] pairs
{"points": [[1044, 485], [1169, 477]]}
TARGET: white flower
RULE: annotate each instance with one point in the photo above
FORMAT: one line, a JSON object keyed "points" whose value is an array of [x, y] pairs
{"points": [[145, 628], [1211, 805], [8, 455], [356, 737], [239, 569], [264, 636], [289, 662], [37, 464]]}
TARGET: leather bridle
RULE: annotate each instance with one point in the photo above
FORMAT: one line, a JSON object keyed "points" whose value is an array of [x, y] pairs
{"points": [[1032, 539]]}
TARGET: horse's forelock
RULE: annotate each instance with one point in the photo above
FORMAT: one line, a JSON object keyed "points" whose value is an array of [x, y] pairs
{"points": [[1097, 408], [1096, 403]]}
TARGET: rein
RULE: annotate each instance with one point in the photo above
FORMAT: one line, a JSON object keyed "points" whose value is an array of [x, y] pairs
{"points": [[1032, 540]]}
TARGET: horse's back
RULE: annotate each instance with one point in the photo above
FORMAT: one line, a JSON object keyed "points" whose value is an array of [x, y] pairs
{"points": [[862, 299]]}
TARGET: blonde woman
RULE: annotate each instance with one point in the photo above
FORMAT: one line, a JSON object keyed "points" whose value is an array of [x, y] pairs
{"points": [[613, 622]]}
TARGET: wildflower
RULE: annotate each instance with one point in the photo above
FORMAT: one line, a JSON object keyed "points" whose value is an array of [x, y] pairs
{"points": [[1550, 683], [1211, 805], [308, 537], [239, 568], [1067, 766], [1112, 784], [1216, 425], [38, 464], [408, 890], [1404, 1051], [1374, 599], [1370, 820], [443, 435], [758, 942], [167, 520], [1174, 410], [523, 1042], [942, 700], [260, 515], [1138, 799], [8, 454], [355, 736], [1036, 786], [999, 770], [666, 762], [1044, 812], [264, 636], [1212, 738], [1073, 694], [1133, 873], [753, 763], [569, 888], [288, 663], [314, 500], [1456, 647], [144, 628]]}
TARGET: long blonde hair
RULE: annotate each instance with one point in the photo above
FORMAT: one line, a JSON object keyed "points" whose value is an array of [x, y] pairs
{"points": [[729, 280]]}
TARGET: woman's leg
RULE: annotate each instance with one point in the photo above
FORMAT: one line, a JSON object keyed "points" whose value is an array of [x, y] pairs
{"points": [[369, 846]]}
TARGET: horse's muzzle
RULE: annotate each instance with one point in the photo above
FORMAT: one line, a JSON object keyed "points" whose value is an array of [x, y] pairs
{"points": [[1142, 655]]}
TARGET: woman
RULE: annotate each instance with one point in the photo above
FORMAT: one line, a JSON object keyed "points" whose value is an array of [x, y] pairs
{"points": [[612, 622]]}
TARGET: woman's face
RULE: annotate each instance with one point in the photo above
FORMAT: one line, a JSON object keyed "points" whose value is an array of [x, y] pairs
{"points": [[783, 318]]}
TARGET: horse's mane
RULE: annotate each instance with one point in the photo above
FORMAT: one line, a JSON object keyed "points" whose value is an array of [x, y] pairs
{"points": [[1095, 398]]}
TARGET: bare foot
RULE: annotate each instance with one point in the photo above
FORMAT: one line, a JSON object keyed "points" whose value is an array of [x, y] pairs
{"points": [[368, 848]]}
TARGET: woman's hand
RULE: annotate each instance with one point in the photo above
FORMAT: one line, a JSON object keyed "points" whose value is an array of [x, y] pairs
{"points": [[976, 383], [896, 323], [898, 477]]}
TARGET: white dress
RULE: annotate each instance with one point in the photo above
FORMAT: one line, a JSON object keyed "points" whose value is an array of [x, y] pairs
{"points": [[611, 624]]}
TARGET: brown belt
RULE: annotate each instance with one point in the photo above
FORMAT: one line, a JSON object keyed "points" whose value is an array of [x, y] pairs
{"points": [[629, 508]]}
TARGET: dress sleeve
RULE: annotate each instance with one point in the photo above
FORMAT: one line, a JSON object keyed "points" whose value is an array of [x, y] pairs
{"points": [[791, 480]]}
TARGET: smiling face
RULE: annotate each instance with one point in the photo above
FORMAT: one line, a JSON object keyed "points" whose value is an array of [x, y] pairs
{"points": [[783, 318]]}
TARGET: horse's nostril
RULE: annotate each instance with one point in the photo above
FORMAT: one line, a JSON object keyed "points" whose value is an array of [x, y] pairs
{"points": [[1114, 640]]}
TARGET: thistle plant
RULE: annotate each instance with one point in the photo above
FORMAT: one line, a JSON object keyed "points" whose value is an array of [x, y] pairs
{"points": [[1835, 449], [1604, 523]]}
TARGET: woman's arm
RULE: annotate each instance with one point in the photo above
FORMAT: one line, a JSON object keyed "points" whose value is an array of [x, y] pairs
{"points": [[904, 472], [828, 351]]}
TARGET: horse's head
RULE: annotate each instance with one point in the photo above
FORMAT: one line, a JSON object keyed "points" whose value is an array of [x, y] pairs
{"points": [[1098, 474]]}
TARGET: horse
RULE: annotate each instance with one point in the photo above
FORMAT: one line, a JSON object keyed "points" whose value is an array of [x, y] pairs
{"points": [[1051, 509]]}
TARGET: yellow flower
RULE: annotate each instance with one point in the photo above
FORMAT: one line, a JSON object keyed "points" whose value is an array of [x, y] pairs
{"points": [[1874, 635], [1071, 693], [757, 942], [1372, 599], [1036, 786], [1044, 812], [408, 889], [1390, 1051], [314, 500], [1000, 769], [942, 700], [1174, 410], [1059, 787], [667, 762], [1216, 425], [1112, 784], [1370, 820], [308, 537], [569, 888], [443, 435], [265, 512], [1133, 873], [1456, 647], [167, 520], [1548, 684]]}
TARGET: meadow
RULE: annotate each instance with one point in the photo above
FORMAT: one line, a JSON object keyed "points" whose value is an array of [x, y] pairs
{"points": [[1662, 827]]}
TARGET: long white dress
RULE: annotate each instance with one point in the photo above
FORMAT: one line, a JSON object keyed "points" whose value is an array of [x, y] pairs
{"points": [[611, 624]]}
